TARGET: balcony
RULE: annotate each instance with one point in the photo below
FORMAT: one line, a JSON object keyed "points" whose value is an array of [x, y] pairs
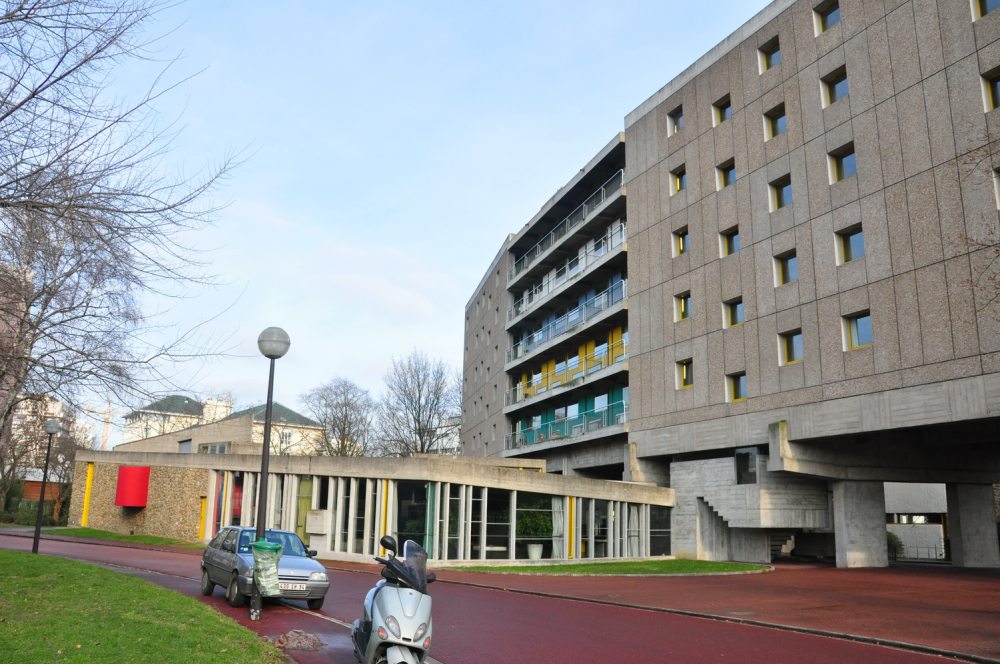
{"points": [[601, 358], [569, 428], [603, 247], [571, 320], [571, 221]]}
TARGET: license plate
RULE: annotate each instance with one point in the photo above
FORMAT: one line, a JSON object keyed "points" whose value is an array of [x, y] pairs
{"points": [[292, 586]]}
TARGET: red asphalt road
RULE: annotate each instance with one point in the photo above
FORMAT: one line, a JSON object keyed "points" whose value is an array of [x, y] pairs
{"points": [[489, 625]]}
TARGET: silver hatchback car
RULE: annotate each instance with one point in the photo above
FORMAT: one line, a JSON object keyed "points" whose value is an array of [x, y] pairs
{"points": [[228, 562]]}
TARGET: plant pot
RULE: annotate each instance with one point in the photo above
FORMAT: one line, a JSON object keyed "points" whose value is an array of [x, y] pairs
{"points": [[534, 551]]}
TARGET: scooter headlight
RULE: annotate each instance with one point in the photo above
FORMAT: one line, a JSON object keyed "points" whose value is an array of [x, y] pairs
{"points": [[421, 630], [393, 626]]}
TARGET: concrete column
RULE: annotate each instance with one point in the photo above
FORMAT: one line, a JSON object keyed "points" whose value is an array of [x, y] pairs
{"points": [[972, 528], [859, 524]]}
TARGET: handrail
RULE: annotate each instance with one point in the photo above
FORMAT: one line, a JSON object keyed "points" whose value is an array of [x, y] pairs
{"points": [[614, 238], [569, 427], [568, 223], [570, 320], [599, 359]]}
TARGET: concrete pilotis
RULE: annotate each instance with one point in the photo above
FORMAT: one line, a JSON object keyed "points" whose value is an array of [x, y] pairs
{"points": [[859, 524], [972, 526]]}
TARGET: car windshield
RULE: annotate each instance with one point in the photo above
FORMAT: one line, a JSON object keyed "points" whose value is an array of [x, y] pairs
{"points": [[290, 543]]}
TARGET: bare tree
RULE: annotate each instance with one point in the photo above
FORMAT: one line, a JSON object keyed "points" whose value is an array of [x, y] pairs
{"points": [[347, 413], [419, 411], [89, 223]]}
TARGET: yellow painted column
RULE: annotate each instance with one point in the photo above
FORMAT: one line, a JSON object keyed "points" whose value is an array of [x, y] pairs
{"points": [[572, 526], [385, 511], [85, 517], [201, 520]]}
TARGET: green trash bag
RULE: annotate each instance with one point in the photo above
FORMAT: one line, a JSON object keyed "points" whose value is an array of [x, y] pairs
{"points": [[265, 567]]}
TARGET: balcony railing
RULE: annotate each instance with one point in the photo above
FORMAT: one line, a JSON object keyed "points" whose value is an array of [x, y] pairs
{"points": [[569, 321], [569, 427], [602, 357], [571, 221], [572, 266]]}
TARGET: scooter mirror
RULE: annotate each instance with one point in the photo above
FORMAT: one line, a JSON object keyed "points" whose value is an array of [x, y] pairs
{"points": [[388, 542], [431, 577]]}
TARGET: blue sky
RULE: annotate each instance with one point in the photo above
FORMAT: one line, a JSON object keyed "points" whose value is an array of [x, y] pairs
{"points": [[390, 149]]}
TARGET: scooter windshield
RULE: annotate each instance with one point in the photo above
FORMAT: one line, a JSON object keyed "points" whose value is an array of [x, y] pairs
{"points": [[415, 563]]}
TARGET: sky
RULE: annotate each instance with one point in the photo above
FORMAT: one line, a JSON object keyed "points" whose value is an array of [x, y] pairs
{"points": [[388, 148]]}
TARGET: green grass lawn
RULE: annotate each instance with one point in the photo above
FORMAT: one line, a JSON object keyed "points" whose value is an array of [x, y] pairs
{"points": [[625, 567], [55, 610], [118, 537]]}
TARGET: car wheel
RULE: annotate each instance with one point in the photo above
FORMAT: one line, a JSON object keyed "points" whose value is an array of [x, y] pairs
{"points": [[233, 595], [315, 604], [207, 587]]}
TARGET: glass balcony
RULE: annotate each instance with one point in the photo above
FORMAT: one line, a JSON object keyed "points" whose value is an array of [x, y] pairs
{"points": [[603, 356], [602, 246], [571, 221], [569, 321], [569, 427]]}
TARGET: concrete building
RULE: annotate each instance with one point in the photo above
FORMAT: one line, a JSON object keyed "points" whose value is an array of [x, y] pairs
{"points": [[241, 432], [812, 227], [458, 509]]}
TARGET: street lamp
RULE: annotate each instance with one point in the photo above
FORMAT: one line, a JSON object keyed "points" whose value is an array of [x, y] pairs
{"points": [[273, 343], [51, 428]]}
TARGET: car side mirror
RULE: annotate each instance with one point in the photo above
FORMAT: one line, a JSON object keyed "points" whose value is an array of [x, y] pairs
{"points": [[431, 577], [388, 542], [311, 553]]}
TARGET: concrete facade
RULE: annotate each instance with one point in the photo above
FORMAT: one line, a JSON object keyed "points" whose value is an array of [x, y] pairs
{"points": [[850, 336], [459, 509]]}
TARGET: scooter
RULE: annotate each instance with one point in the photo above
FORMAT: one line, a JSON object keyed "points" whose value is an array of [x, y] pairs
{"points": [[396, 627]]}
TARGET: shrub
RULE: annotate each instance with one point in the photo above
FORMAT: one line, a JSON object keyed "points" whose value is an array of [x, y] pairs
{"points": [[894, 545]]}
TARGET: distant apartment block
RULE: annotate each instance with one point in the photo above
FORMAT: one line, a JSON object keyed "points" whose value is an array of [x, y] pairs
{"points": [[800, 309]]}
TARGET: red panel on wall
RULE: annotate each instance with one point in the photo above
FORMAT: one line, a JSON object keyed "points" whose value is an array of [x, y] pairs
{"points": [[133, 486]]}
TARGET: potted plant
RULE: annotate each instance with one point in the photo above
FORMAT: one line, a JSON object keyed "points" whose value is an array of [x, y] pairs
{"points": [[534, 524]]}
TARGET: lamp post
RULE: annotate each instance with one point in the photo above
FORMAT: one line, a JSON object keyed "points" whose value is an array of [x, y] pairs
{"points": [[51, 428], [273, 343]]}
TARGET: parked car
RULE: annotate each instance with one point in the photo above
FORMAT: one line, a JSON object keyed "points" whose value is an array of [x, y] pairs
{"points": [[228, 562]]}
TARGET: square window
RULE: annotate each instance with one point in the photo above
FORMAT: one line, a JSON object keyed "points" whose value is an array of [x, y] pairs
{"points": [[834, 86], [769, 55], [746, 465], [775, 122], [986, 6], [851, 244], [680, 241], [857, 331], [786, 268], [678, 179], [737, 384], [722, 111], [781, 192], [675, 121], [729, 241], [996, 182], [991, 90], [685, 374], [682, 306], [725, 174], [791, 346], [843, 164], [826, 15], [733, 312]]}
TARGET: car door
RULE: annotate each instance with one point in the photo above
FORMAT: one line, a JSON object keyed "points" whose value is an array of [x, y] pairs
{"points": [[227, 555], [211, 556]]}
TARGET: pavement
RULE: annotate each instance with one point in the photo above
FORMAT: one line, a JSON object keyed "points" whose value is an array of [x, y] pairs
{"points": [[930, 608]]}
